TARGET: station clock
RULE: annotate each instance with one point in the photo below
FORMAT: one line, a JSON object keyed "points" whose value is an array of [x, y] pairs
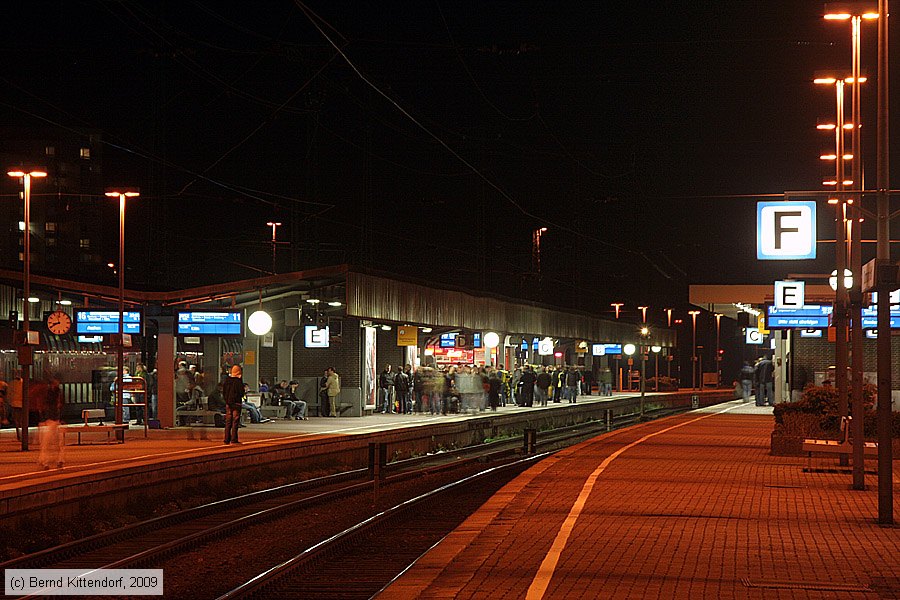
{"points": [[59, 322]]}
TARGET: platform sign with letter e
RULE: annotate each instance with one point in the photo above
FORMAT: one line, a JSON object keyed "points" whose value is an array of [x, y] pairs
{"points": [[790, 294], [786, 230]]}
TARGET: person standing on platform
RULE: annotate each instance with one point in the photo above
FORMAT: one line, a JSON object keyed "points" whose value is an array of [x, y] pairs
{"points": [[494, 385], [605, 382], [559, 384], [527, 383], [746, 381], [233, 392], [386, 385], [765, 383], [572, 380], [542, 386], [324, 402], [333, 388], [401, 389]]}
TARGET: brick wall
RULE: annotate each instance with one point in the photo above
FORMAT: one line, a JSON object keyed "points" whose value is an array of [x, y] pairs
{"points": [[267, 361], [345, 356], [387, 351], [817, 354]]}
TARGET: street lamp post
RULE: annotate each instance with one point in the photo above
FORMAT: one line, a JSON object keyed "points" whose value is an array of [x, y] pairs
{"points": [[656, 350], [855, 12], [883, 253], [120, 347], [840, 292], [26, 176], [694, 314], [629, 349], [274, 225], [645, 334]]}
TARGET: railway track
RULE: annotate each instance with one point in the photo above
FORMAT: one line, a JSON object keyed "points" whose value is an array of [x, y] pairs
{"points": [[381, 547]]}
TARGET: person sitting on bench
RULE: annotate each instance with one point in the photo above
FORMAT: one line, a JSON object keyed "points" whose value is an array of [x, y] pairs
{"points": [[296, 408]]}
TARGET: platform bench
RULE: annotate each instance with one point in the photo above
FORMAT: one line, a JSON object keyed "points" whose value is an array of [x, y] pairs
{"points": [[841, 446], [86, 428]]}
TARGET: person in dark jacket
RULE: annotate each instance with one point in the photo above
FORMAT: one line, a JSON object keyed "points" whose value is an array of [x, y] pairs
{"points": [[233, 392], [543, 386], [527, 382], [386, 385], [573, 377], [493, 390], [324, 403], [765, 382]]}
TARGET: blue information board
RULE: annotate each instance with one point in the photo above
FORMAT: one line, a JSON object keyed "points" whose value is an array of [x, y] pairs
{"points": [[448, 340], [870, 318], [99, 322], [604, 349], [198, 322], [812, 316]]}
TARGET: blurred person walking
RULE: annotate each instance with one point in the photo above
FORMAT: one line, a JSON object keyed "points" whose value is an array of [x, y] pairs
{"points": [[49, 399], [746, 380], [542, 386]]}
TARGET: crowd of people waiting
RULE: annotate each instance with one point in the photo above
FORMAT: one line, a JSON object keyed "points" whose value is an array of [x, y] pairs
{"points": [[467, 388]]}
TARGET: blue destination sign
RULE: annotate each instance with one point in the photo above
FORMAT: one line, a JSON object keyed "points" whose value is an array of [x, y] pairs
{"points": [[870, 318], [604, 349], [812, 316], [99, 322], [194, 322]]}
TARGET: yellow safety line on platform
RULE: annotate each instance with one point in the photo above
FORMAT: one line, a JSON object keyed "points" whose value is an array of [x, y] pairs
{"points": [[542, 578]]}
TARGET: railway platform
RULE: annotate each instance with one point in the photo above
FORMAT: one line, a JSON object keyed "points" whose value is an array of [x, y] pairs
{"points": [[163, 461], [690, 506]]}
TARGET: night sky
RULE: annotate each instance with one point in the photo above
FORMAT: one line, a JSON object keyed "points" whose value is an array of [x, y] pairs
{"points": [[638, 133]]}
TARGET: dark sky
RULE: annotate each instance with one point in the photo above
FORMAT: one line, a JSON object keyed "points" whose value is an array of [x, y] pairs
{"points": [[623, 127]]}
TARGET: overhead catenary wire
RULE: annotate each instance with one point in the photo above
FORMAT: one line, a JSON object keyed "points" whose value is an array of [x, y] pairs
{"points": [[318, 23]]}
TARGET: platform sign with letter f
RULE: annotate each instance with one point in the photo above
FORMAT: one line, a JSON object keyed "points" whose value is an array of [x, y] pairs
{"points": [[786, 230]]}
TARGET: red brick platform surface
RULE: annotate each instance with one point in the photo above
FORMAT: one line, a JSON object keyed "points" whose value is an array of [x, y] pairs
{"points": [[691, 506]]}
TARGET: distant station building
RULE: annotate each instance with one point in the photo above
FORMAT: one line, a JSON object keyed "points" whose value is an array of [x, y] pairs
{"points": [[354, 320]]}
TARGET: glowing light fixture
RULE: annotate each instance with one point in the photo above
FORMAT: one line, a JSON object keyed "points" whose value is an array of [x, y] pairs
{"points": [[848, 279], [629, 349], [491, 339], [259, 323]]}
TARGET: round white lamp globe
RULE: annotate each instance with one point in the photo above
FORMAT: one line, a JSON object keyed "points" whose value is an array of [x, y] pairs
{"points": [[629, 349], [259, 323], [491, 339]]}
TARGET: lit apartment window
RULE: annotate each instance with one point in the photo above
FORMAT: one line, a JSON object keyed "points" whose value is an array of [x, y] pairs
{"points": [[51, 241], [21, 257], [50, 227], [50, 151], [84, 243], [85, 153]]}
